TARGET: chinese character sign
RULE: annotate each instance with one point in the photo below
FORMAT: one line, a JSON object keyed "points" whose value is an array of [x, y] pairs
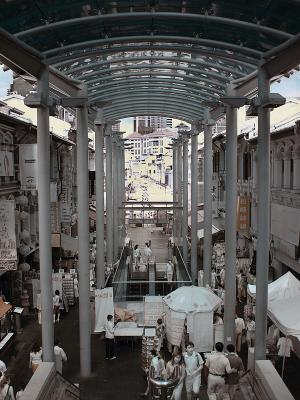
{"points": [[8, 247], [28, 166], [243, 214]]}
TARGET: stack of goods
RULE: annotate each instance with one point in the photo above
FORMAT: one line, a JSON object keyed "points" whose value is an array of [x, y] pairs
{"points": [[68, 288], [124, 315], [148, 343]]}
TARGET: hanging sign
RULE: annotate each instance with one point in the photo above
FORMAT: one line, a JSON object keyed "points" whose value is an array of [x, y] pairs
{"points": [[104, 305], [153, 309], [6, 163], [243, 214], [8, 246], [28, 166]]}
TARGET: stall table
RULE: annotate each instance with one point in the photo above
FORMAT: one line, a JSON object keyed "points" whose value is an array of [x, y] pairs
{"points": [[128, 330]]}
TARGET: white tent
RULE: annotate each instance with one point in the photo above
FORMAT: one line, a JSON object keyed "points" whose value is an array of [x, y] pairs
{"points": [[285, 314], [192, 299], [283, 303], [285, 287], [196, 305]]}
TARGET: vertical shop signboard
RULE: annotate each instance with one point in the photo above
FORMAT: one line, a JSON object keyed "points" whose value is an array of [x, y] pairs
{"points": [[243, 214], [28, 166], [8, 246], [6, 163]]}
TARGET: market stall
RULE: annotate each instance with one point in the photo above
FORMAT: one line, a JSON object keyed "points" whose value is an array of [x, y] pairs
{"points": [[194, 306]]}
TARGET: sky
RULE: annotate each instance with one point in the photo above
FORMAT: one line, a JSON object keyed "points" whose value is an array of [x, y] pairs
{"points": [[287, 87]]}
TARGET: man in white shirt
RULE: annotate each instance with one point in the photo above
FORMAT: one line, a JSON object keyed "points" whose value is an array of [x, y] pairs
{"points": [[217, 364], [3, 368], [59, 355], [110, 338], [147, 253], [285, 346], [170, 271], [194, 364], [239, 327]]}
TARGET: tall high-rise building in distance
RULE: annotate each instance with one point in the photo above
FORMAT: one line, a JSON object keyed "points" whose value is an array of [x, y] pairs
{"points": [[148, 124]]}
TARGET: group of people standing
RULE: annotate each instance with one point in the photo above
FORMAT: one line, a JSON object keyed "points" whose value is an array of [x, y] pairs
{"points": [[137, 255], [185, 368]]}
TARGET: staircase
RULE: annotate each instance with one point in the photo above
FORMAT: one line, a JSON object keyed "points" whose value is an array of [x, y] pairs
{"points": [[47, 384]]}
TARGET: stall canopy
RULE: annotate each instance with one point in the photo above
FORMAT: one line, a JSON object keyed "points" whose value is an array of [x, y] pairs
{"points": [[192, 299], [285, 314], [285, 287], [283, 303]]}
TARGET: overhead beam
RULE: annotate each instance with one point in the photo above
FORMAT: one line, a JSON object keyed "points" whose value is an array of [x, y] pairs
{"points": [[215, 44], [152, 16], [175, 59], [100, 72], [148, 81], [222, 55]]}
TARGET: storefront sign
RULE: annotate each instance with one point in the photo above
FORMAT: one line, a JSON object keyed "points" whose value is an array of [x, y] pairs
{"points": [[6, 163], [243, 206], [55, 217], [8, 247], [28, 166]]}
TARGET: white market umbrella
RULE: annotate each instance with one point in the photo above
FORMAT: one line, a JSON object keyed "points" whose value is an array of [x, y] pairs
{"points": [[192, 299]]}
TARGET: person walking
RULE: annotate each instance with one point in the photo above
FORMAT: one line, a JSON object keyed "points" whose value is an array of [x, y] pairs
{"points": [[176, 369], [147, 253], [250, 337], [217, 364], [3, 368], [60, 356], [239, 328], [136, 257], [232, 380], [56, 306], [170, 271], [6, 390], [193, 367], [160, 332], [109, 338], [156, 369], [35, 357]]}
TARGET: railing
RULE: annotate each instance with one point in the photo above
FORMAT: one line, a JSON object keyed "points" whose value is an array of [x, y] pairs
{"points": [[136, 290], [182, 270]]}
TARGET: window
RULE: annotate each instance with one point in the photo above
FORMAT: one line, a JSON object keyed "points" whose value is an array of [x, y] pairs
{"points": [[247, 166], [292, 173], [282, 173]]}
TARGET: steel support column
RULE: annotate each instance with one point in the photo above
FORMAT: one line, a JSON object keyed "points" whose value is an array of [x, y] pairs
{"points": [[208, 172], [115, 185], [83, 241], [179, 192], [185, 199], [109, 197], [99, 144], [194, 201], [43, 154], [175, 223], [230, 224], [263, 218]]}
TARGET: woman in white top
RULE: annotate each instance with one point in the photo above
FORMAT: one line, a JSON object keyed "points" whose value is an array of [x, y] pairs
{"points": [[170, 271], [56, 305], [35, 357], [176, 369], [136, 256], [6, 390]]}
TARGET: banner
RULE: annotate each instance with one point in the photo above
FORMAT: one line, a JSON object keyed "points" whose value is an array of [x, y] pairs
{"points": [[200, 329], [153, 309], [174, 326], [6, 163], [8, 246], [243, 214], [104, 305], [28, 166]]}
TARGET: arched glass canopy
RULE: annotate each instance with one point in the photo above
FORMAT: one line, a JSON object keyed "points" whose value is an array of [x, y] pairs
{"points": [[153, 56]]}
